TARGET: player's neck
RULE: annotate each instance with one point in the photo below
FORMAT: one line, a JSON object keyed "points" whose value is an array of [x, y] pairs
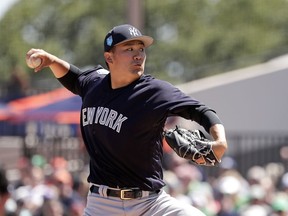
{"points": [[118, 81]]}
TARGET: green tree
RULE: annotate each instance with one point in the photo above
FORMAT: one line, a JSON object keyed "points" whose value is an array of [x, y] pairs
{"points": [[193, 38], [73, 30], [212, 36]]}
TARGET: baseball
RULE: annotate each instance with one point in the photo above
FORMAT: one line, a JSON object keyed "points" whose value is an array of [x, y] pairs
{"points": [[34, 62]]}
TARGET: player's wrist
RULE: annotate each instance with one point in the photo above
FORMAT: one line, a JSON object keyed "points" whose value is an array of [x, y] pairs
{"points": [[219, 148]]}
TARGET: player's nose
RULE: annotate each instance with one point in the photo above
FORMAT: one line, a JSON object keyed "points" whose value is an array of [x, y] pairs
{"points": [[139, 55]]}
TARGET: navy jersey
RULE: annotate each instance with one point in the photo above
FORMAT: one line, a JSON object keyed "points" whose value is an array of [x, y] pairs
{"points": [[122, 128]]}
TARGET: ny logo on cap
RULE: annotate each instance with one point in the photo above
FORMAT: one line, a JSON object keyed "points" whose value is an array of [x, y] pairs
{"points": [[133, 31]]}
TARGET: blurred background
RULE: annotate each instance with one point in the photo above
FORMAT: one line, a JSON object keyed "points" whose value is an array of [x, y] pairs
{"points": [[230, 54]]}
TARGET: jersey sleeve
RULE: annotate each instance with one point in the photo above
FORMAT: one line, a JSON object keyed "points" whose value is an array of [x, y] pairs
{"points": [[170, 99], [77, 80], [177, 103]]}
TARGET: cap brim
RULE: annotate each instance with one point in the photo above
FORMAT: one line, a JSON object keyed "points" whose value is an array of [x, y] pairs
{"points": [[147, 40]]}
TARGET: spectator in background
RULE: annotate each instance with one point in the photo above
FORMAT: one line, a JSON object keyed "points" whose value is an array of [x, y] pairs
{"points": [[70, 194], [30, 196], [51, 207], [4, 194]]}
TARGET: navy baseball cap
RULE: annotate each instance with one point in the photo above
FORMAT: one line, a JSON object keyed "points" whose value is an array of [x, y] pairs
{"points": [[123, 33]]}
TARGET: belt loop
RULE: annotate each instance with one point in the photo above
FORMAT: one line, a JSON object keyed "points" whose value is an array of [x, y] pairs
{"points": [[145, 194], [103, 190], [100, 190]]}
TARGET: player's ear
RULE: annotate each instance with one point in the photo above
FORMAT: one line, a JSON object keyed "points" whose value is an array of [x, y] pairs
{"points": [[108, 58]]}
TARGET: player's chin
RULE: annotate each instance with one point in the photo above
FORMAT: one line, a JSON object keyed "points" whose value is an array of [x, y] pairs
{"points": [[138, 70]]}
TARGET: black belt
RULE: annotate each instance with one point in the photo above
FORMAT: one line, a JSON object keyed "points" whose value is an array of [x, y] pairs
{"points": [[124, 194]]}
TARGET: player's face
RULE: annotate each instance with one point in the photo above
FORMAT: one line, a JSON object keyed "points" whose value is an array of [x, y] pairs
{"points": [[129, 57]]}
